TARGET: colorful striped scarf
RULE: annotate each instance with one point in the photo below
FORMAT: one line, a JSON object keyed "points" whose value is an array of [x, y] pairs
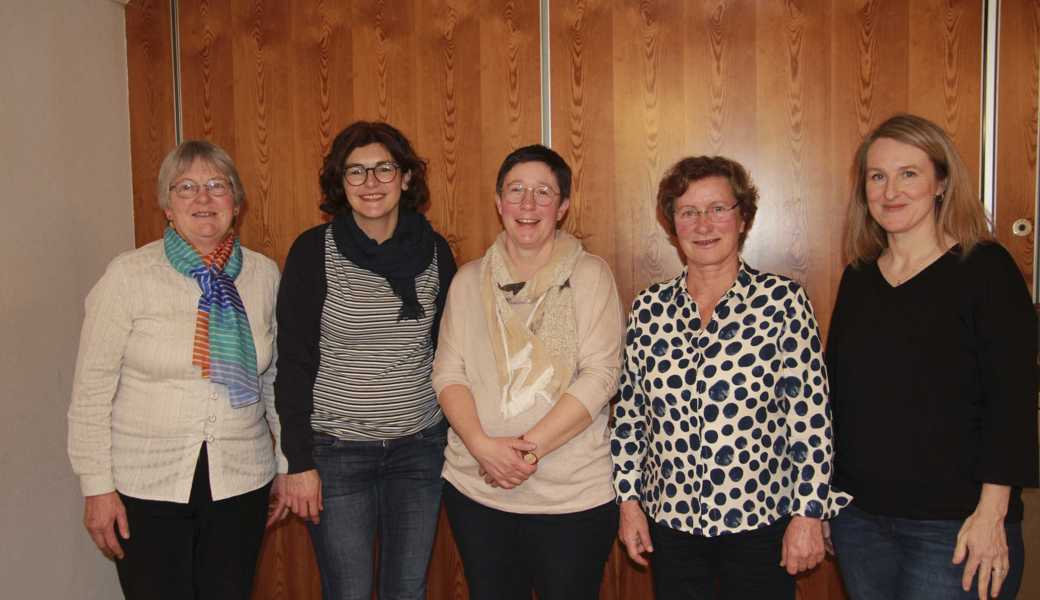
{"points": [[224, 347]]}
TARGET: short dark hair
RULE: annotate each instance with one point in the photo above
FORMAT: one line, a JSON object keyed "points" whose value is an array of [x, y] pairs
{"points": [[694, 168], [363, 133], [537, 153]]}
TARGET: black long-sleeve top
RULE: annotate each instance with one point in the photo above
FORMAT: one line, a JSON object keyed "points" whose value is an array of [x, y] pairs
{"points": [[934, 386], [301, 300]]}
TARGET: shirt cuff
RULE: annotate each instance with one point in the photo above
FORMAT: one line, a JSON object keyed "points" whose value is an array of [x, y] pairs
{"points": [[95, 485], [813, 507], [442, 381], [591, 394]]}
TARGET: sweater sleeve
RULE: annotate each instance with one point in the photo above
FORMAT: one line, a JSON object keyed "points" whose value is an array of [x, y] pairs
{"points": [[301, 296], [1006, 329], [600, 328], [106, 330]]}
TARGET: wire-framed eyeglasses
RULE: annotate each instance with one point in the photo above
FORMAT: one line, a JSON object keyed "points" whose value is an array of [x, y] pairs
{"points": [[515, 192], [714, 214], [186, 189]]}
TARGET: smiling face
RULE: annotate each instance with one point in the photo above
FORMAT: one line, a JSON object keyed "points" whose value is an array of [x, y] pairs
{"points": [[703, 242], [529, 227], [901, 188], [203, 221], [374, 203]]}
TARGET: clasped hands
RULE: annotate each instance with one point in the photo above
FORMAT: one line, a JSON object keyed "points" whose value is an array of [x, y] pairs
{"points": [[501, 460]]}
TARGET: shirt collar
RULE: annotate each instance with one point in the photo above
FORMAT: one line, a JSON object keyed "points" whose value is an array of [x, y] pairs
{"points": [[739, 289]]}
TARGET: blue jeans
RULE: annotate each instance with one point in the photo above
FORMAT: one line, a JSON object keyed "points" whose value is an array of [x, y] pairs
{"points": [[910, 559], [393, 486]]}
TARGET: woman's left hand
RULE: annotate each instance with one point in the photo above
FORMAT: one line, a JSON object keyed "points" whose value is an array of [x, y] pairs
{"points": [[803, 545], [983, 541], [278, 507]]}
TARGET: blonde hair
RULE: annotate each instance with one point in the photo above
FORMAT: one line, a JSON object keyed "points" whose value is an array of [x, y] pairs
{"points": [[960, 213]]}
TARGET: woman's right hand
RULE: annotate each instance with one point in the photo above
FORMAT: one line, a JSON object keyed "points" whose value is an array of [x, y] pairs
{"points": [[101, 515], [634, 532], [303, 495], [500, 460]]}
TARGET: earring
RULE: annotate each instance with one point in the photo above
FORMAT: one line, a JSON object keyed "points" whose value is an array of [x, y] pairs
{"points": [[939, 197]]}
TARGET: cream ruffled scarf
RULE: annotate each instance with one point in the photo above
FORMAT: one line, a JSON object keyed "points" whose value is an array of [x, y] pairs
{"points": [[536, 356]]}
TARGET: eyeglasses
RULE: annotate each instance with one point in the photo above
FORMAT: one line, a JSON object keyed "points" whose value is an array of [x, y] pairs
{"points": [[384, 172], [714, 214], [187, 189], [514, 193]]}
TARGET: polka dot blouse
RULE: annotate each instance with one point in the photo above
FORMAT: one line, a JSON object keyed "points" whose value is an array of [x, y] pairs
{"points": [[724, 428]]}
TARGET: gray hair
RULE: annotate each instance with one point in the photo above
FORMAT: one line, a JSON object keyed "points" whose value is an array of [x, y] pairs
{"points": [[183, 156]]}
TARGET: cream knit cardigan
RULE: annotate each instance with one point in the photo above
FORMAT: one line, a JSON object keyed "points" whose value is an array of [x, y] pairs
{"points": [[140, 411]]}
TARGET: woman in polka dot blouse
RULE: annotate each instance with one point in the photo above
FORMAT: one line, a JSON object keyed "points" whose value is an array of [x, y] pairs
{"points": [[722, 442], [932, 355]]}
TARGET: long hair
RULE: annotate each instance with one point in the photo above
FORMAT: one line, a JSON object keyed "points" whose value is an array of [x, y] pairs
{"points": [[960, 214]]}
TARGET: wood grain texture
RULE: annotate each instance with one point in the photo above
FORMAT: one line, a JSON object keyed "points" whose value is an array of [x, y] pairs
{"points": [[788, 88], [1018, 94], [1016, 194], [150, 83], [581, 75]]}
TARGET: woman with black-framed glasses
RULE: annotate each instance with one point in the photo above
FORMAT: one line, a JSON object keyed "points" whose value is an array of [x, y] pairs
{"points": [[722, 442], [358, 313]]}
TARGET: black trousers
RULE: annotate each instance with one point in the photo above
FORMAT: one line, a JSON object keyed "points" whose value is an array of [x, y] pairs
{"points": [[736, 566], [506, 555], [202, 550]]}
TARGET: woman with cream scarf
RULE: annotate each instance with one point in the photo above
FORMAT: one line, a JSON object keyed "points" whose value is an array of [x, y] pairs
{"points": [[527, 362]]}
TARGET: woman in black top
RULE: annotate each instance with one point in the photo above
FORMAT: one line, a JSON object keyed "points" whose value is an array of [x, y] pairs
{"points": [[932, 361], [358, 309]]}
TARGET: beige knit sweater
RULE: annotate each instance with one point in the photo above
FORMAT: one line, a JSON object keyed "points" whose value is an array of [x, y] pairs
{"points": [[140, 410], [576, 476]]}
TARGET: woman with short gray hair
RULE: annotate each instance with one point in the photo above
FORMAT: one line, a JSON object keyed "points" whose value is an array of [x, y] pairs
{"points": [[172, 402]]}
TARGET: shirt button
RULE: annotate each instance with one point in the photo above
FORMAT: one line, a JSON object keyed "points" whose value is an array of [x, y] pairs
{"points": [[209, 438], [212, 396], [213, 418]]}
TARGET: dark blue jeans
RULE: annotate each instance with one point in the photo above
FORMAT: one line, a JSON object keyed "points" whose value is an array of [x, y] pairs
{"points": [[393, 486], [909, 559], [735, 566], [506, 555]]}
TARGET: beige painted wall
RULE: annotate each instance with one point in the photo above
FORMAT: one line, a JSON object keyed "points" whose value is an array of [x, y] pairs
{"points": [[65, 193]]}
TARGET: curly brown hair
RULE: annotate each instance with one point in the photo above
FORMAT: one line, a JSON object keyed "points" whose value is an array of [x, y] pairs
{"points": [[363, 133]]}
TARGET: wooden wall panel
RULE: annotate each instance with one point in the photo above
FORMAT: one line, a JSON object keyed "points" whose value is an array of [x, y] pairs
{"points": [[150, 73], [583, 96], [1016, 194], [1018, 95], [787, 87]]}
